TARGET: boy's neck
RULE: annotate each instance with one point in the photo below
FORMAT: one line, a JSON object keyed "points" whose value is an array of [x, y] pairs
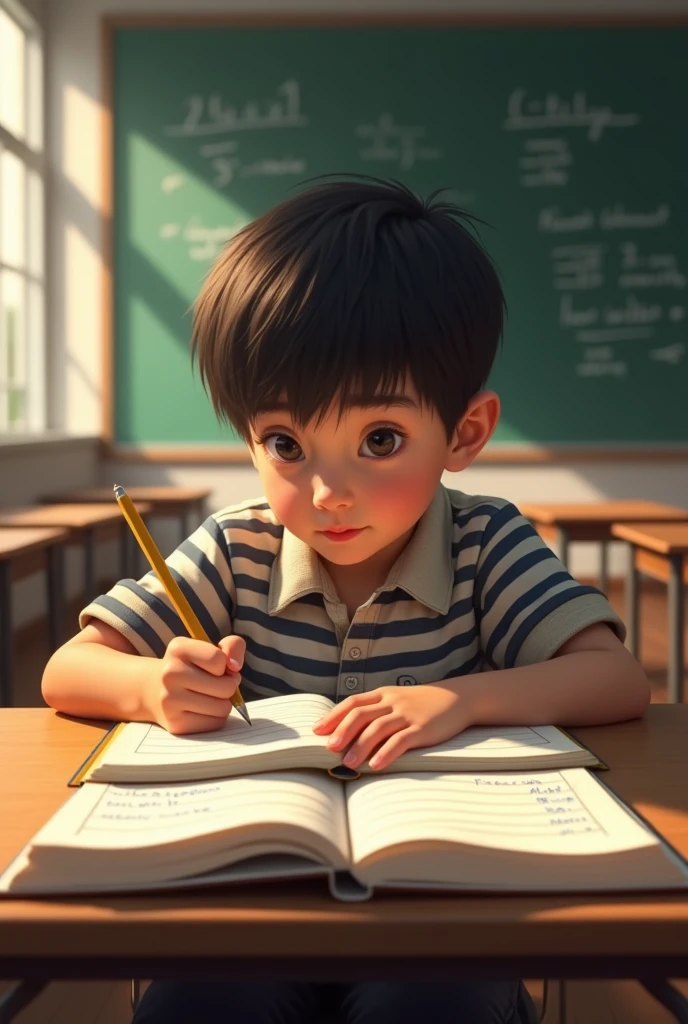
{"points": [[364, 578]]}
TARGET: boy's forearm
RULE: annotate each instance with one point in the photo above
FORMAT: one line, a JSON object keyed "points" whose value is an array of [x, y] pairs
{"points": [[90, 680], [582, 688]]}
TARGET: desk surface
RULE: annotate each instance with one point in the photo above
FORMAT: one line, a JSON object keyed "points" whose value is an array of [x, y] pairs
{"points": [[15, 541], [73, 517], [572, 513], [665, 538], [40, 749]]}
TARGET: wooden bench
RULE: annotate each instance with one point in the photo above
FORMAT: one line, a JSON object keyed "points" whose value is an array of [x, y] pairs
{"points": [[85, 525], [564, 523], [24, 551], [659, 550]]}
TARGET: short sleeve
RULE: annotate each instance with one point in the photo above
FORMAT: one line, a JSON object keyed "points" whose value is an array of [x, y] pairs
{"points": [[527, 603], [142, 611]]}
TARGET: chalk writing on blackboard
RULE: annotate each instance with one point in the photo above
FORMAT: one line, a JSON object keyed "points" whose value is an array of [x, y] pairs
{"points": [[526, 114], [395, 142], [204, 243], [672, 354], [618, 218], [546, 163], [577, 267], [171, 182], [208, 115], [551, 219]]}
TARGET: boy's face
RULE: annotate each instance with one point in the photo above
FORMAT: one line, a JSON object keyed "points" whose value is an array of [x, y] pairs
{"points": [[376, 472]]}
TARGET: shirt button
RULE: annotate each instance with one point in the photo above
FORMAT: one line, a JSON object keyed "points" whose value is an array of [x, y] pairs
{"points": [[351, 682], [355, 652]]}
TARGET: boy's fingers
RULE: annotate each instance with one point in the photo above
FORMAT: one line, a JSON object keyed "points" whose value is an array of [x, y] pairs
{"points": [[215, 686], [197, 652], [233, 648], [332, 718]]}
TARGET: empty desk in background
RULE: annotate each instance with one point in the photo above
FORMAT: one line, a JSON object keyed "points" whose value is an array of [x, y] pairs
{"points": [[23, 552], [165, 502], [564, 523], [659, 550], [85, 524]]}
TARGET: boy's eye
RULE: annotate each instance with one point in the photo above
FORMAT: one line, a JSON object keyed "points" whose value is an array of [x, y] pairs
{"points": [[286, 448], [381, 441]]}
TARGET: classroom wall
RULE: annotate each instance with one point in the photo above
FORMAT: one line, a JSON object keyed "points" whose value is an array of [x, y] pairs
{"points": [[73, 85]]}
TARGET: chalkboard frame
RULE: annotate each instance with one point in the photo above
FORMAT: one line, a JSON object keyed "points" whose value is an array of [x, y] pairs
{"points": [[213, 454]]}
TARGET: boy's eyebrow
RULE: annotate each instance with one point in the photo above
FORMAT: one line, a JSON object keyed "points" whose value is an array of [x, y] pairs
{"points": [[381, 401]]}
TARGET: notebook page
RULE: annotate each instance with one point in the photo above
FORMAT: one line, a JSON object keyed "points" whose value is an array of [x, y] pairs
{"points": [[114, 816], [559, 812], [278, 723], [496, 743]]}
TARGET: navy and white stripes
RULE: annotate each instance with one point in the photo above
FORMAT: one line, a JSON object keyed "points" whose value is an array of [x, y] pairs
{"points": [[476, 588]]}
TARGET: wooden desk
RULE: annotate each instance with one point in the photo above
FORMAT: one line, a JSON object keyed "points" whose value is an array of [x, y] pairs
{"points": [[659, 550], [23, 552], [178, 502], [85, 524], [566, 522], [302, 932]]}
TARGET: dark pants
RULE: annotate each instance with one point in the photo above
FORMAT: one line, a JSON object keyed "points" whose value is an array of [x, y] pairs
{"points": [[367, 1002]]}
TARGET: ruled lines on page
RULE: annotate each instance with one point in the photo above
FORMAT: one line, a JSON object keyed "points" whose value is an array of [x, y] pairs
{"points": [[541, 812]]}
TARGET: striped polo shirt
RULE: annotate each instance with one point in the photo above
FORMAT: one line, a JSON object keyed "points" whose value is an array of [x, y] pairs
{"points": [[475, 588]]}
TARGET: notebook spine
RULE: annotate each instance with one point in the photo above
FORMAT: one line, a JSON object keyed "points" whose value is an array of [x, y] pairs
{"points": [[96, 754]]}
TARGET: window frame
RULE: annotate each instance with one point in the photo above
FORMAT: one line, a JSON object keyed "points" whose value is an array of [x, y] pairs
{"points": [[32, 347]]}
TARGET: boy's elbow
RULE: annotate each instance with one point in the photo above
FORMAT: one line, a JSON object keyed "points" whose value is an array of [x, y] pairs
{"points": [[49, 692], [636, 688]]}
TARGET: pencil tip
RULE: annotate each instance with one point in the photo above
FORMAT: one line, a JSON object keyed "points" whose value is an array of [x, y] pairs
{"points": [[243, 711]]}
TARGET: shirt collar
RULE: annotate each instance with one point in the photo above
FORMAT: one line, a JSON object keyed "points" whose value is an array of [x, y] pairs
{"points": [[424, 569]]}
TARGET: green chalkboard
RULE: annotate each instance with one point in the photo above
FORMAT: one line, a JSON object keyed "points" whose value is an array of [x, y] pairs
{"points": [[569, 140]]}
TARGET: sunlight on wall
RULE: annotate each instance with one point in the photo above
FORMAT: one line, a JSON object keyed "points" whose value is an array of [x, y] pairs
{"points": [[82, 330], [81, 143]]}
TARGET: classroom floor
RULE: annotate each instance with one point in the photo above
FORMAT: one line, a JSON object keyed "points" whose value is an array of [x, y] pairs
{"points": [[106, 1002]]}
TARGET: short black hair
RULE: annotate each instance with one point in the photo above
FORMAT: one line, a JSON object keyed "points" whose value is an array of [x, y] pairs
{"points": [[347, 288]]}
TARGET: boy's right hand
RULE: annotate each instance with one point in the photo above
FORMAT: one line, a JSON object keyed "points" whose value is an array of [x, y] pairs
{"points": [[190, 688]]}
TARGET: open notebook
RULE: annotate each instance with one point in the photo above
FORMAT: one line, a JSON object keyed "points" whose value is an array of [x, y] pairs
{"points": [[282, 736], [552, 831]]}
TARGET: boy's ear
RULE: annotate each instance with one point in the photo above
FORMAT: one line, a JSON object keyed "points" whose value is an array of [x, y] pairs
{"points": [[474, 430]]}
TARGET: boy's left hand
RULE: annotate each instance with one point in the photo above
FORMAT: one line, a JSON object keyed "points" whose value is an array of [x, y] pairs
{"points": [[395, 719]]}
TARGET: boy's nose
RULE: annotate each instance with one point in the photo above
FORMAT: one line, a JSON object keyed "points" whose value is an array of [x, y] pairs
{"points": [[331, 494]]}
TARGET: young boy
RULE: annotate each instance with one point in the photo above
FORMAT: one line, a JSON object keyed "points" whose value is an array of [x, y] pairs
{"points": [[348, 335]]}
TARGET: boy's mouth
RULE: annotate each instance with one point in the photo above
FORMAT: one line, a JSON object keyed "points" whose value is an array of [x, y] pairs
{"points": [[341, 533]]}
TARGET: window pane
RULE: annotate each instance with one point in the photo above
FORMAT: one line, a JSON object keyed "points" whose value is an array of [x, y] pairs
{"points": [[12, 349], [12, 70], [12, 209], [34, 105], [34, 257]]}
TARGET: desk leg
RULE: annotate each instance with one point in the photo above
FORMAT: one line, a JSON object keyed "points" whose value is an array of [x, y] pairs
{"points": [[89, 571], [5, 636], [124, 551], [185, 521], [18, 997], [669, 996], [675, 681], [564, 544], [604, 567], [55, 576], [632, 620]]}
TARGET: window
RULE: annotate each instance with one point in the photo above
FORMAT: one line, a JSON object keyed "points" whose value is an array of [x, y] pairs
{"points": [[22, 218]]}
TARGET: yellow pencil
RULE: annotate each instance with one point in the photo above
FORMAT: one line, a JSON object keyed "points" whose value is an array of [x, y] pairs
{"points": [[158, 565]]}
